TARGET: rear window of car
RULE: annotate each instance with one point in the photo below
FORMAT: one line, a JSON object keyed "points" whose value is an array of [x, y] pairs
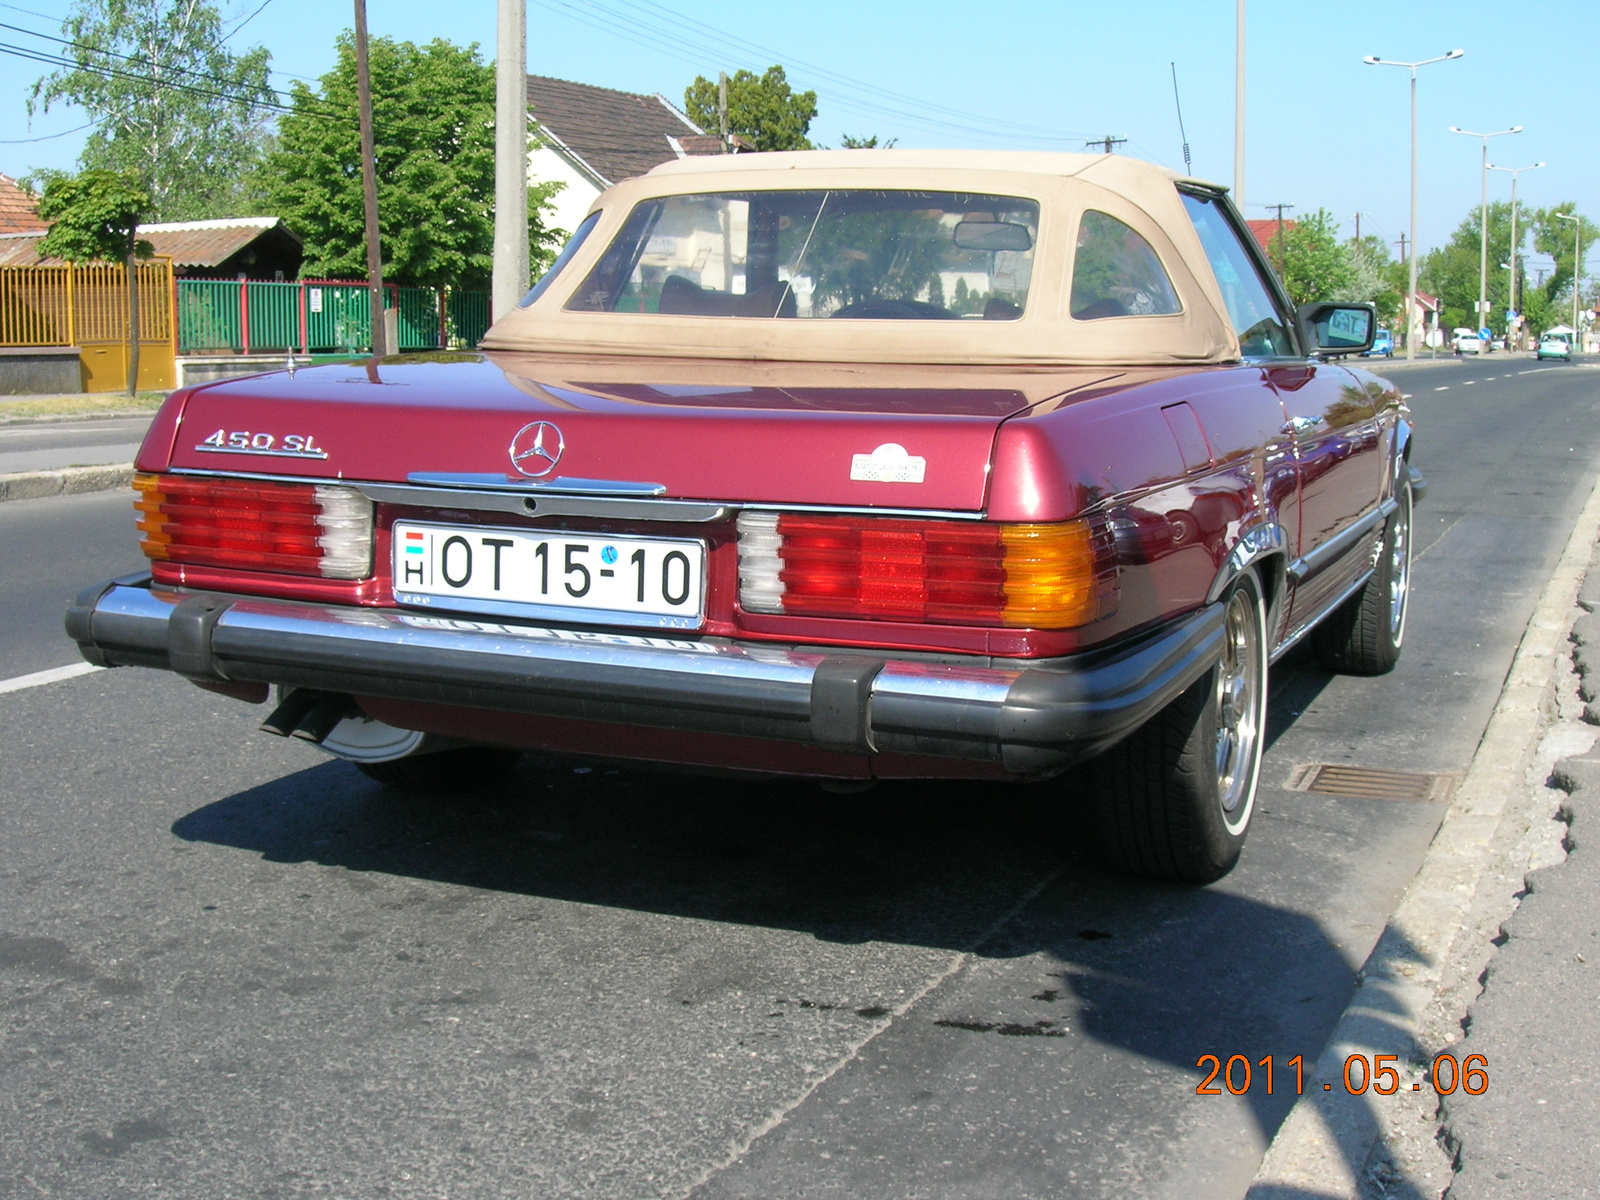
{"points": [[851, 253]]}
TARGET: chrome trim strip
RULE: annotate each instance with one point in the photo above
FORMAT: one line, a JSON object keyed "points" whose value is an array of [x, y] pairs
{"points": [[1294, 639], [369, 488], [686, 512], [1253, 545], [532, 643], [1341, 544], [562, 483]]}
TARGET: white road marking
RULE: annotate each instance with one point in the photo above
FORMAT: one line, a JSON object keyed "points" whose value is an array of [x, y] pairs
{"points": [[1469, 383], [53, 675], [1445, 388], [1405, 395]]}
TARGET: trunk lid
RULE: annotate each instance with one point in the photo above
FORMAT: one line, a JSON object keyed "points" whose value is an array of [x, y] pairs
{"points": [[893, 437]]}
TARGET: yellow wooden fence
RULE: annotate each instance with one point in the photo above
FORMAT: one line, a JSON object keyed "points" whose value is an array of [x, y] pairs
{"points": [[87, 306]]}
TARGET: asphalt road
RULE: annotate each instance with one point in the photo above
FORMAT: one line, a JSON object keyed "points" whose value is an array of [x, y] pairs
{"points": [[49, 445], [230, 966]]}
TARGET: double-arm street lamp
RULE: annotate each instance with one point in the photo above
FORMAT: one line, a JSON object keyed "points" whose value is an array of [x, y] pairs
{"points": [[1483, 257], [1577, 270], [1511, 301], [1373, 60]]}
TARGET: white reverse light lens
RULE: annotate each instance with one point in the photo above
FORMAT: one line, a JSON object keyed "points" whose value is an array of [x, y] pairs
{"points": [[345, 518], [760, 560]]}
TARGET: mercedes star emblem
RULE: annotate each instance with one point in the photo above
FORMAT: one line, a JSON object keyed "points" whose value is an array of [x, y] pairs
{"points": [[537, 448]]}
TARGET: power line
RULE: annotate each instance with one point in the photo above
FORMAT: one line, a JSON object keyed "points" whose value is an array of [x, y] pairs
{"points": [[845, 80], [47, 137], [643, 32], [247, 20], [90, 48]]}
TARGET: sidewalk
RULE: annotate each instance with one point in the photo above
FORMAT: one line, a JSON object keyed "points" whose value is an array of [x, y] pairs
{"points": [[1497, 938], [68, 444], [1537, 1023]]}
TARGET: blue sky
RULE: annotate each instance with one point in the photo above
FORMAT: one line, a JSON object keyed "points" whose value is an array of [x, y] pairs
{"points": [[1324, 130]]}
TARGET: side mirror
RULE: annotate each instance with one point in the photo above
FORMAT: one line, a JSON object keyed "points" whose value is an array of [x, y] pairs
{"points": [[1330, 329], [992, 235]]}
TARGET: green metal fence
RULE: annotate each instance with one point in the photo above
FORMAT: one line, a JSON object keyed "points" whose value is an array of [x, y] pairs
{"points": [[320, 316]]}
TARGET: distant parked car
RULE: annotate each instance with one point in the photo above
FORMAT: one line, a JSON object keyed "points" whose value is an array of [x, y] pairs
{"points": [[1466, 341], [1382, 345], [1554, 345]]}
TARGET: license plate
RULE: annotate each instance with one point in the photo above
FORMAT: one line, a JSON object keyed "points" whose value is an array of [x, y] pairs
{"points": [[654, 582]]}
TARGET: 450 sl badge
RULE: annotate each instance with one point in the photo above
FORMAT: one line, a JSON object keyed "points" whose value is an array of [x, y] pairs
{"points": [[293, 445]]}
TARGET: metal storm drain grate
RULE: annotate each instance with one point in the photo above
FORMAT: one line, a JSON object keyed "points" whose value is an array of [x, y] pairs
{"points": [[1336, 779]]}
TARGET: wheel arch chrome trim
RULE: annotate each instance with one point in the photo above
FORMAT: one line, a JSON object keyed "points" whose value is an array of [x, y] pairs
{"points": [[1258, 544]]}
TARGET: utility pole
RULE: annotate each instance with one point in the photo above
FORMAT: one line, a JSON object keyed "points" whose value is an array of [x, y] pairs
{"points": [[1238, 104], [1412, 321], [1514, 326], [722, 110], [510, 156], [1108, 142], [1358, 228], [1483, 253], [369, 184], [1402, 247], [1577, 270], [1279, 238]]}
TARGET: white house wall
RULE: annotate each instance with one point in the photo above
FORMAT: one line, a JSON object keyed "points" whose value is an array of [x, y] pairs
{"points": [[572, 201]]}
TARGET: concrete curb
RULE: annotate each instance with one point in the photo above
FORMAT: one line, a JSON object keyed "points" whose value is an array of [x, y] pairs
{"points": [[69, 481], [1326, 1141]]}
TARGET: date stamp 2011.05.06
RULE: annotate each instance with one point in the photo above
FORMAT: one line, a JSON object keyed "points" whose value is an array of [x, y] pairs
{"points": [[1237, 1074]]}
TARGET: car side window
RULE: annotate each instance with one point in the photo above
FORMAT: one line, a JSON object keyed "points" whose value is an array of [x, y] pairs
{"points": [[1115, 273], [1255, 317]]}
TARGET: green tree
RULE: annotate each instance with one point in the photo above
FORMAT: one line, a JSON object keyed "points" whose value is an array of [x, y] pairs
{"points": [[1451, 271], [94, 217], [433, 130], [762, 109], [168, 100], [1316, 264], [1554, 237], [871, 142]]}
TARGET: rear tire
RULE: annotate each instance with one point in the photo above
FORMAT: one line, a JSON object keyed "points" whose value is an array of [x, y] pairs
{"points": [[1174, 799], [1364, 635], [444, 772]]}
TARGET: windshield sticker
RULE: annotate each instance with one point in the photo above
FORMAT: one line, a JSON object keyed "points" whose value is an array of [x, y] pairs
{"points": [[889, 463]]}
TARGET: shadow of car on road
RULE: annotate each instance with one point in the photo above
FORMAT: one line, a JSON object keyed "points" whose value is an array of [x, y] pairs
{"points": [[1162, 972]]}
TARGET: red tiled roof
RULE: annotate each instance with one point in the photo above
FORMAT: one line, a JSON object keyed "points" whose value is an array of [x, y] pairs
{"points": [[19, 209], [617, 134], [1264, 231]]}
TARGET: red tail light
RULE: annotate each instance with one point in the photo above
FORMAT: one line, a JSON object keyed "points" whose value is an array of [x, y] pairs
{"points": [[289, 528], [1046, 576]]}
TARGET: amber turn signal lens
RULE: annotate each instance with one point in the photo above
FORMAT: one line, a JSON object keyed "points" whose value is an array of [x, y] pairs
{"points": [[1045, 576]]}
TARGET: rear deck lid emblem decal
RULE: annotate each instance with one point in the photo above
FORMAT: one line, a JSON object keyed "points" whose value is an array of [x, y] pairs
{"points": [[536, 449], [889, 463]]}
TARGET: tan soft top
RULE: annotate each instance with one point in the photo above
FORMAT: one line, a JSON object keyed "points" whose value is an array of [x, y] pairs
{"points": [[1137, 193]]}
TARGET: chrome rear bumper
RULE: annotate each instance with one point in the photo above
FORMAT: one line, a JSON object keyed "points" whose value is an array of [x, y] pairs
{"points": [[1030, 717]]}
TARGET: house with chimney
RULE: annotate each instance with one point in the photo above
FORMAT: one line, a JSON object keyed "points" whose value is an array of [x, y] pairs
{"points": [[592, 137]]}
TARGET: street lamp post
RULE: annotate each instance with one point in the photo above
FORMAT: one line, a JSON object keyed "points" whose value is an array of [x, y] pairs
{"points": [[1511, 301], [1373, 60], [1577, 269], [1483, 257]]}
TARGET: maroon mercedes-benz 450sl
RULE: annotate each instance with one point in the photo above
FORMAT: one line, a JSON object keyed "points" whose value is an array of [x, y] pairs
{"points": [[854, 465]]}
